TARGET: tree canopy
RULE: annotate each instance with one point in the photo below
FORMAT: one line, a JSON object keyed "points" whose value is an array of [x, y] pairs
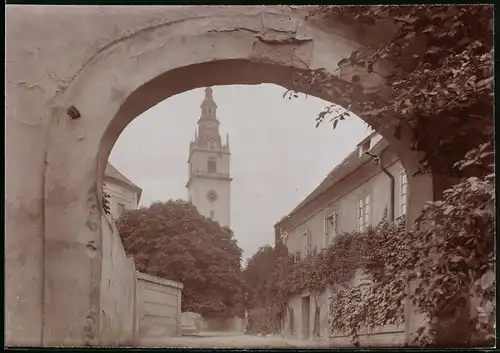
{"points": [[265, 294], [257, 275], [173, 240]]}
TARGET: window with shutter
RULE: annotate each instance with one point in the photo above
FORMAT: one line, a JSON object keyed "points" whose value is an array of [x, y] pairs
{"points": [[403, 192], [330, 228], [307, 241], [363, 213]]}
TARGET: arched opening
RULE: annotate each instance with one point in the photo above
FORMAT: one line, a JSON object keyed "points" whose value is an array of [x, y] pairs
{"points": [[212, 166], [236, 72], [110, 91]]}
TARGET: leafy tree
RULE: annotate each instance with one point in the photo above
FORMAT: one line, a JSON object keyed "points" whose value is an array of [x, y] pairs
{"points": [[453, 264], [173, 240], [258, 276], [265, 299]]}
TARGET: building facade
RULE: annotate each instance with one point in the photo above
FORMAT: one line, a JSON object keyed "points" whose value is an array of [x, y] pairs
{"points": [[124, 194], [353, 196], [209, 184]]}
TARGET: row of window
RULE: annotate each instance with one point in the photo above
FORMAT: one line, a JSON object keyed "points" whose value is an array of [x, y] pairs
{"points": [[363, 216]]}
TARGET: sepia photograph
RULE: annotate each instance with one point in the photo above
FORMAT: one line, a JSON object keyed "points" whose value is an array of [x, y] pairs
{"points": [[268, 176]]}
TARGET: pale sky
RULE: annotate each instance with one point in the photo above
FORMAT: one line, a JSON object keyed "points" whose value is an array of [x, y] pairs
{"points": [[278, 156]]}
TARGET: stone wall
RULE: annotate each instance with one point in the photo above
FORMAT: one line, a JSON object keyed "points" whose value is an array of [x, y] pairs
{"points": [[158, 305]]}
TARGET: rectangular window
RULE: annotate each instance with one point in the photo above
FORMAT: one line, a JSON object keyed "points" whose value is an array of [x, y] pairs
{"points": [[403, 193], [330, 228], [121, 209], [212, 166], [306, 238], [296, 258], [363, 212]]}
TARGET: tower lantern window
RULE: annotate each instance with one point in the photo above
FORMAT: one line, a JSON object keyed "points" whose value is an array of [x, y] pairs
{"points": [[212, 166]]}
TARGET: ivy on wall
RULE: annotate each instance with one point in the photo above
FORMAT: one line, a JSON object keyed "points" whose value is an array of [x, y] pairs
{"points": [[438, 72], [448, 257]]}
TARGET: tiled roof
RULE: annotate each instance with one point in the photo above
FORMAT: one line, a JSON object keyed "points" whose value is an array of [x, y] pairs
{"points": [[350, 164], [113, 173]]}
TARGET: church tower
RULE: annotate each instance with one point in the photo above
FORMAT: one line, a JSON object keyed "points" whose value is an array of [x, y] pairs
{"points": [[209, 184]]}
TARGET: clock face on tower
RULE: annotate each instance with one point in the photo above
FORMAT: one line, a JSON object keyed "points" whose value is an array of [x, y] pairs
{"points": [[212, 196]]}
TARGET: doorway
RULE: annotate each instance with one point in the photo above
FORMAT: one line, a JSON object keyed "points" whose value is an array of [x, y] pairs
{"points": [[306, 307]]}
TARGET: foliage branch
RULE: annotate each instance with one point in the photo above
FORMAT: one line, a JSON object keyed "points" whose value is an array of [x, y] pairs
{"points": [[436, 63]]}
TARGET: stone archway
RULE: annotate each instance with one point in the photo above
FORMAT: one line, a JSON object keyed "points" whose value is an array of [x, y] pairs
{"points": [[143, 61]]}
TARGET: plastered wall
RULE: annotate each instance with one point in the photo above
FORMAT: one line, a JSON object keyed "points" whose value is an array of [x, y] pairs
{"points": [[199, 189], [378, 186], [118, 284], [158, 308], [134, 306], [120, 194], [366, 180]]}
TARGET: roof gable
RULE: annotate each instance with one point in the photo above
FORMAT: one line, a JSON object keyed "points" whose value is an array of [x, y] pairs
{"points": [[349, 165], [112, 173]]}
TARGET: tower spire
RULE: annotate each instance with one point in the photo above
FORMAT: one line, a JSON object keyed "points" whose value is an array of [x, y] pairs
{"points": [[208, 106], [208, 93], [209, 180]]}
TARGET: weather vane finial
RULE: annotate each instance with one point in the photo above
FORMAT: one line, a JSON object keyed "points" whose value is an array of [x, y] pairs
{"points": [[208, 92]]}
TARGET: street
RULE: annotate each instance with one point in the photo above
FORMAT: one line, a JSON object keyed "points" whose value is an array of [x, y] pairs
{"points": [[229, 340]]}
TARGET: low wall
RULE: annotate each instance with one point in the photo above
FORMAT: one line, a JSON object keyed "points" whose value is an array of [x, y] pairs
{"points": [[232, 324], [387, 336], [134, 306], [158, 308], [118, 281]]}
